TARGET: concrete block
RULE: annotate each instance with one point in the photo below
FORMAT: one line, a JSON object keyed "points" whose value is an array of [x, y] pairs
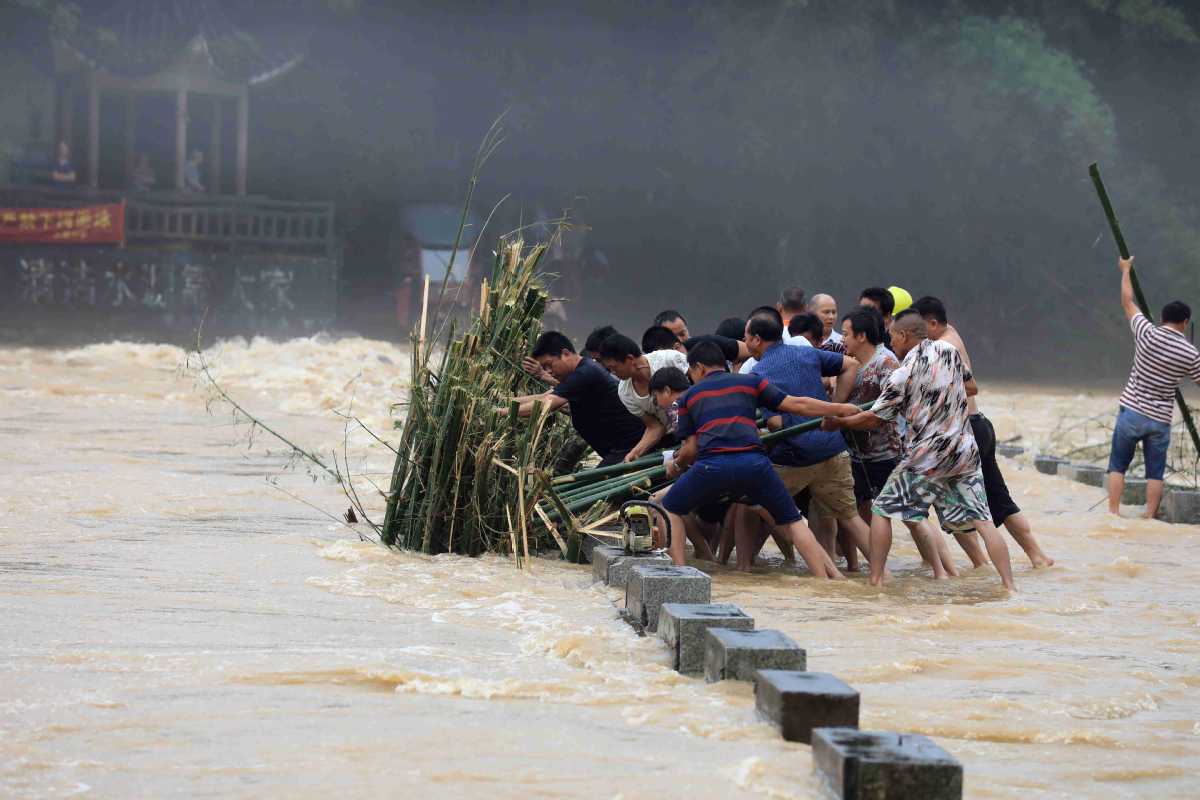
{"points": [[651, 585], [1182, 506], [588, 543], [735, 655], [1135, 492], [1048, 465], [611, 565], [867, 765], [682, 627], [796, 702], [1009, 450], [1087, 474]]}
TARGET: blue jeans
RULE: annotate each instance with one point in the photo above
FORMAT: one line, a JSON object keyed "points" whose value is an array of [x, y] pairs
{"points": [[737, 475], [1155, 437]]}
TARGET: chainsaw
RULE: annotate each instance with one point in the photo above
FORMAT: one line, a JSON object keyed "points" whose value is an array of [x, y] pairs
{"points": [[637, 525]]}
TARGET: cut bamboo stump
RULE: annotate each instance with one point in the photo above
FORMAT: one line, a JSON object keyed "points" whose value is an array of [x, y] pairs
{"points": [[797, 702], [682, 627], [868, 765], [735, 655]]}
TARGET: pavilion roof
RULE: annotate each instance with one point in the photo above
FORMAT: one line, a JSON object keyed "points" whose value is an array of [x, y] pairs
{"points": [[143, 38]]}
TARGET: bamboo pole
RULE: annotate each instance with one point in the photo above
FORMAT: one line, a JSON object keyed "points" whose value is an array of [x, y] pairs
{"points": [[1123, 249], [424, 316]]}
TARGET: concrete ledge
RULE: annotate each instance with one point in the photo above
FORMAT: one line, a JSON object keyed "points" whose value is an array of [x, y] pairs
{"points": [[867, 765], [1087, 474], [651, 585], [682, 627], [611, 565], [1135, 492], [797, 702], [735, 655], [1009, 450], [1048, 465], [1181, 506]]}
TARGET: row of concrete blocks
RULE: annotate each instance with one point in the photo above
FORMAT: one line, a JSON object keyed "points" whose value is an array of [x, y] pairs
{"points": [[720, 642], [1179, 504]]}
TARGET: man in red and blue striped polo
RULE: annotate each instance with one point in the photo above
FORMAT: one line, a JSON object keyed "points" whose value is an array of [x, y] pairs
{"points": [[1162, 358], [717, 420]]}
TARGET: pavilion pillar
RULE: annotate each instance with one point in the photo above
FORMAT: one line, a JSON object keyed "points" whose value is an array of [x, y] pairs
{"points": [[93, 140], [243, 138], [66, 114], [181, 112], [214, 148], [130, 137]]}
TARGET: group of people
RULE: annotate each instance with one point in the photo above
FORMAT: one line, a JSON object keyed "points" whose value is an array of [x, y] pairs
{"points": [[893, 430], [141, 178]]}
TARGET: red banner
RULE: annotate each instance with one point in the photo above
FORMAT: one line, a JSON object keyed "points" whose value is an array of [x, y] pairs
{"points": [[104, 224]]}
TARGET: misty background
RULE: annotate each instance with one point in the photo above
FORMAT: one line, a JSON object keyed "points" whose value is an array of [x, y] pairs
{"points": [[715, 153]]}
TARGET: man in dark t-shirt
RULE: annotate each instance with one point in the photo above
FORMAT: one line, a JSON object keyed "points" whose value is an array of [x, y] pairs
{"points": [[596, 411]]}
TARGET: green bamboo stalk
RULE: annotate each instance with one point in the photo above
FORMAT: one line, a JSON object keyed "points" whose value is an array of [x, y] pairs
{"points": [[1123, 249]]}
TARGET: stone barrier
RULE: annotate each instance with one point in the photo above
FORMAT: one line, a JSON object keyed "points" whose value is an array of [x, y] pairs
{"points": [[1135, 492], [1048, 465], [1182, 505], [1087, 474], [797, 702], [682, 627], [651, 585], [611, 565], [868, 765], [1009, 450], [735, 655]]}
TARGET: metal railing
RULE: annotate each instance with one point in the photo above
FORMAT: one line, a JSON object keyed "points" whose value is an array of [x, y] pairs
{"points": [[224, 221]]}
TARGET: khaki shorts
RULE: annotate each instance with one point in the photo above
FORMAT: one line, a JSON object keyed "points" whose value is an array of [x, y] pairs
{"points": [[831, 483]]}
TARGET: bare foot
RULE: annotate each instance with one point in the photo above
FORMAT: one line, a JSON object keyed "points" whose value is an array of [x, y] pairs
{"points": [[1040, 560]]}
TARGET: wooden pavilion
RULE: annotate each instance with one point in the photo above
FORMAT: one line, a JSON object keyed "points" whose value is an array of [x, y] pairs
{"points": [[185, 49]]}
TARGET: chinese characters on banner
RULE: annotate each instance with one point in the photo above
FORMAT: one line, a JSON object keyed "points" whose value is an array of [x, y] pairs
{"points": [[103, 224]]}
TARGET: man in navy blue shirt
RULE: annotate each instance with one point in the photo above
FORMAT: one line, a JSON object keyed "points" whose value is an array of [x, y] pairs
{"points": [[717, 418], [814, 460]]}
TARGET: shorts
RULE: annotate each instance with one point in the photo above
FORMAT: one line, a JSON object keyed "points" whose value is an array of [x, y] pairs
{"points": [[870, 476], [1000, 502], [830, 482], [748, 475], [960, 500], [1155, 437]]}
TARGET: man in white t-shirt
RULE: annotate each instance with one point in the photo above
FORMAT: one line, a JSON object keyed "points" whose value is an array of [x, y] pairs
{"points": [[621, 356]]}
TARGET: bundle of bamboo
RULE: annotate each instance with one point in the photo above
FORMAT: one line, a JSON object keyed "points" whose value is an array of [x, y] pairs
{"points": [[466, 478]]}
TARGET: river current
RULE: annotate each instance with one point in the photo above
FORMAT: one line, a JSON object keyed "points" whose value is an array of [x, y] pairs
{"points": [[180, 617]]}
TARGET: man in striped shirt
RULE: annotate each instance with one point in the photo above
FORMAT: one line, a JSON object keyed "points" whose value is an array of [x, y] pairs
{"points": [[723, 454], [1162, 358]]}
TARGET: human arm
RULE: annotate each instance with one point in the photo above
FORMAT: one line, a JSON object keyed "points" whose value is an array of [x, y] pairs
{"points": [[533, 368], [685, 456], [845, 379], [969, 384], [1128, 303], [525, 404], [860, 421], [650, 437], [810, 407]]}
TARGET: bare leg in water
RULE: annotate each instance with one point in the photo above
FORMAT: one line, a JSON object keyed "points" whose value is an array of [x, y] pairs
{"points": [[1018, 528], [969, 542]]}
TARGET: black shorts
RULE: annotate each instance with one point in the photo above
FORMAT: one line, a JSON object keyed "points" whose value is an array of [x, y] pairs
{"points": [[1000, 502], [870, 476]]}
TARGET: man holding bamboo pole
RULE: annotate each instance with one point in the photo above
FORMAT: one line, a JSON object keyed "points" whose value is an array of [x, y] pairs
{"points": [[1162, 358]]}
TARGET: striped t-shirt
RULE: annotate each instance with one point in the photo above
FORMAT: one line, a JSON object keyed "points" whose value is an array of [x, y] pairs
{"points": [[1161, 359], [720, 411]]}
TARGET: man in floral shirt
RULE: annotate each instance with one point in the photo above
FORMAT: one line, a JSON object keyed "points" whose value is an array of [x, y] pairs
{"points": [[940, 465]]}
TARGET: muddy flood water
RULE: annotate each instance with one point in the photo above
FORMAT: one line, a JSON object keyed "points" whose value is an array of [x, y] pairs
{"points": [[175, 624]]}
